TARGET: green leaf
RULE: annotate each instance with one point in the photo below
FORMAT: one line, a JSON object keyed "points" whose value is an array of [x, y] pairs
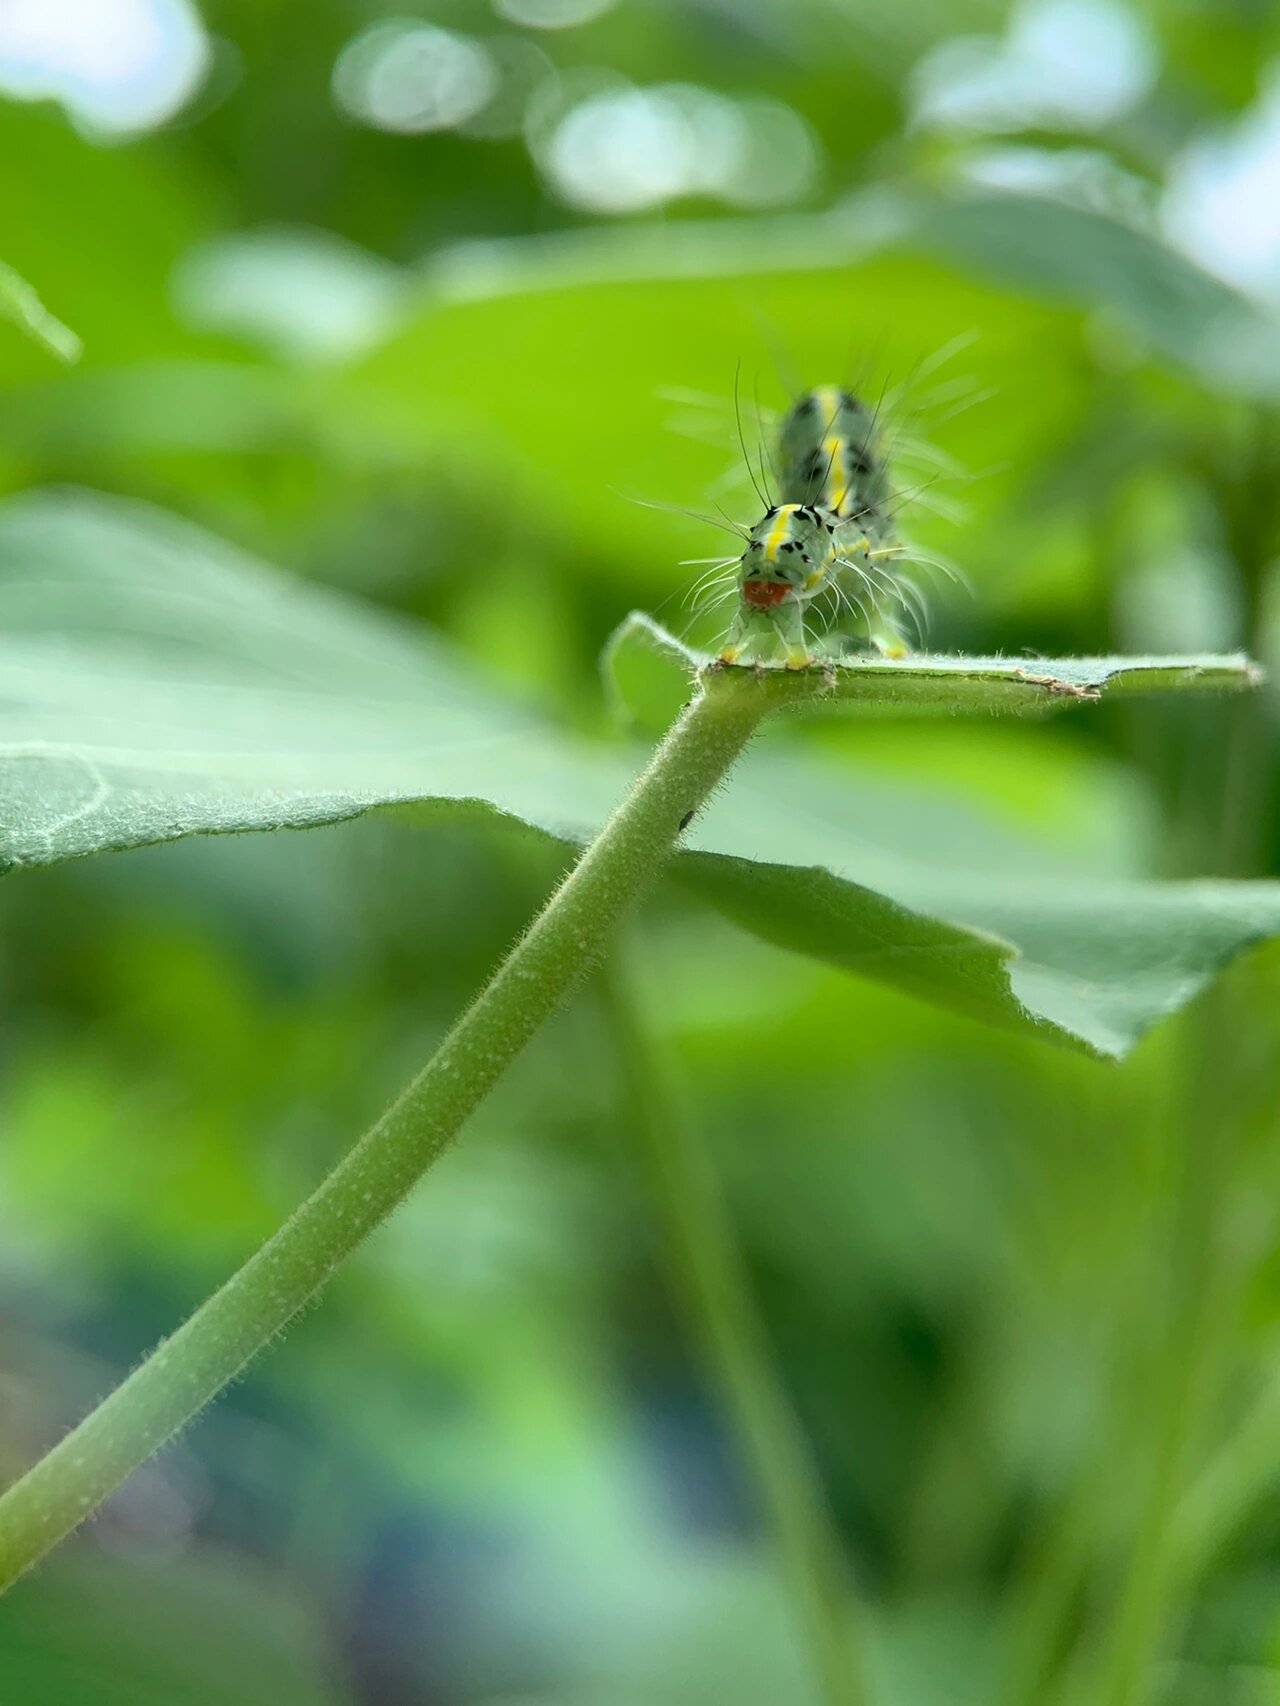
{"points": [[649, 667], [158, 683], [1087, 962], [857, 878], [1078, 255], [19, 303], [572, 447]]}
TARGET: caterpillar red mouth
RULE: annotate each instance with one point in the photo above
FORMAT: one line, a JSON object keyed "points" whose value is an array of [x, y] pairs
{"points": [[763, 595]]}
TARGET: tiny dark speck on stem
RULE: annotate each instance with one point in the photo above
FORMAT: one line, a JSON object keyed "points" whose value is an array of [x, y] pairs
{"points": [[687, 819]]}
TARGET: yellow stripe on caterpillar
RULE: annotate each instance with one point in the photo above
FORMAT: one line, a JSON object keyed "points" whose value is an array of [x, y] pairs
{"points": [[780, 532], [837, 483], [829, 401]]}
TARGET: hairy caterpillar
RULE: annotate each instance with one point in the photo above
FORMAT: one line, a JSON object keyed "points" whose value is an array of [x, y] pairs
{"points": [[830, 536], [787, 563]]}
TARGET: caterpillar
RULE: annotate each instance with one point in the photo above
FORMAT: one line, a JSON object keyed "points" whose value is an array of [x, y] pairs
{"points": [[787, 563], [830, 536]]}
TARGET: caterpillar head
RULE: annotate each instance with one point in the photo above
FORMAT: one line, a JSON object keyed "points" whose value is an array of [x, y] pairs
{"points": [[788, 557]]}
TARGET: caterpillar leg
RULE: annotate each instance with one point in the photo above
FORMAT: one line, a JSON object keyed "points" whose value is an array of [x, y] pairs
{"points": [[761, 637], [737, 640], [888, 641], [792, 635]]}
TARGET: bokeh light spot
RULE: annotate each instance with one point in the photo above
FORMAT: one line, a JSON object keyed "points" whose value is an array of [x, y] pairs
{"points": [[1222, 205], [414, 78], [621, 149], [551, 14], [1074, 64], [118, 68]]}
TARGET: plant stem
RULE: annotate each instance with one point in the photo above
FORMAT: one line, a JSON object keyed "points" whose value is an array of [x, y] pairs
{"points": [[716, 1291], [1202, 1274], [564, 942]]}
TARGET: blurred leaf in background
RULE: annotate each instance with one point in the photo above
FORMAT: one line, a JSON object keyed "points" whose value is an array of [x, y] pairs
{"points": [[414, 301], [20, 304]]}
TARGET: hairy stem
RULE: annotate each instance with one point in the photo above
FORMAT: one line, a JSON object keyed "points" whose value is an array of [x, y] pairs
{"points": [[715, 1289], [564, 942]]}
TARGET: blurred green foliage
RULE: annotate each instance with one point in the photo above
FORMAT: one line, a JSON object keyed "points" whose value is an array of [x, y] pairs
{"points": [[1025, 1302]]}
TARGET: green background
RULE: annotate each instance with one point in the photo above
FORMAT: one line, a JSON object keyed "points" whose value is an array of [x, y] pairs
{"points": [[1021, 1298]]}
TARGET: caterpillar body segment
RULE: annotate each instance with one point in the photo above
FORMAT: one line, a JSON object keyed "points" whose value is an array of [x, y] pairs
{"points": [[865, 584], [828, 454], [788, 562]]}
